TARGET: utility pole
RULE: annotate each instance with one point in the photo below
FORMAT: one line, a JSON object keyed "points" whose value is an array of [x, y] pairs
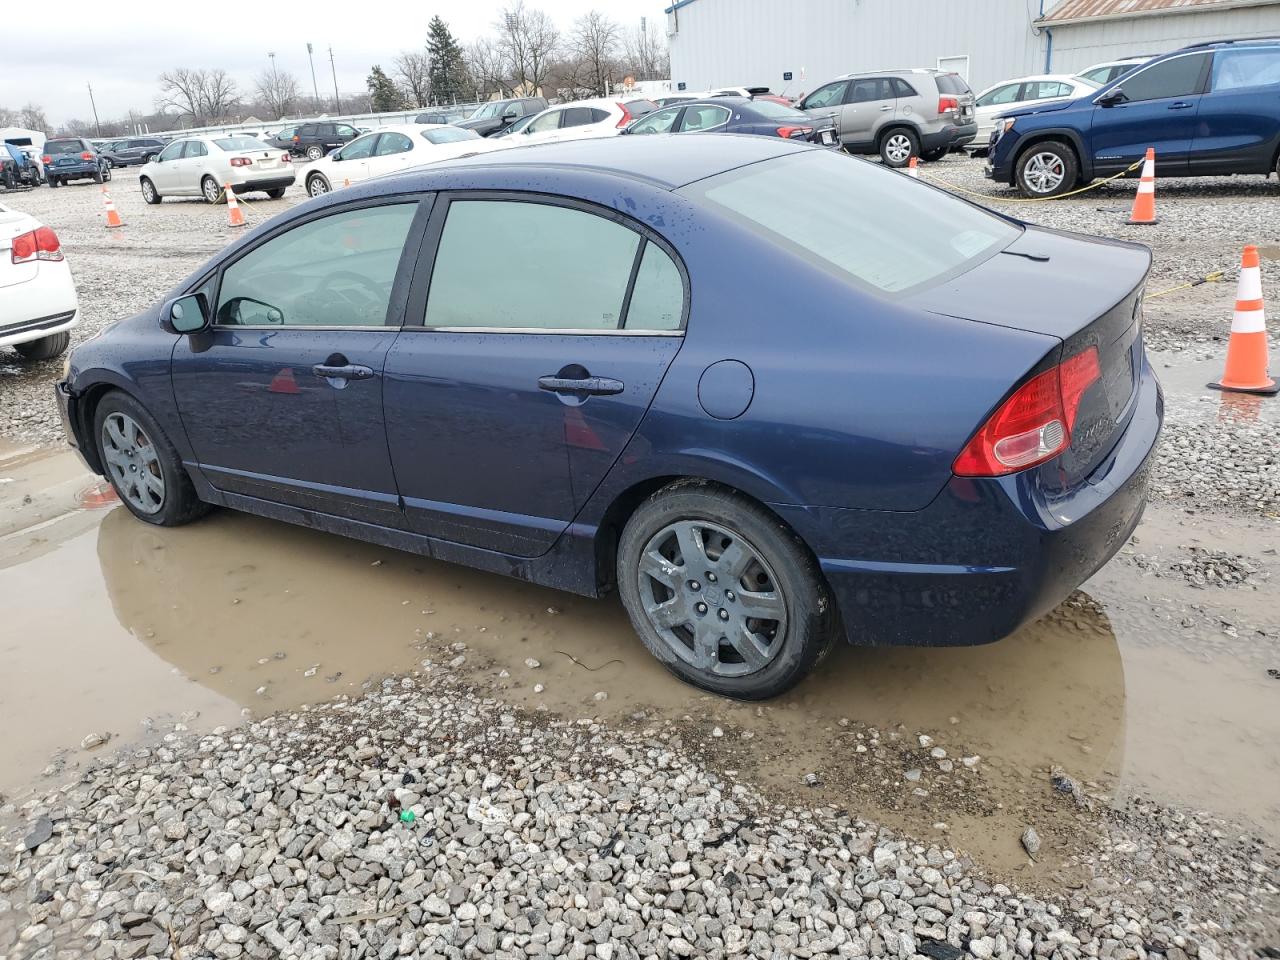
{"points": [[96, 123], [313, 76], [337, 103]]}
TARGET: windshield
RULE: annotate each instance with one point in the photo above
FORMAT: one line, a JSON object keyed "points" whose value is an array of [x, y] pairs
{"points": [[487, 111], [449, 135], [238, 143], [776, 111], [63, 146], [875, 226]]}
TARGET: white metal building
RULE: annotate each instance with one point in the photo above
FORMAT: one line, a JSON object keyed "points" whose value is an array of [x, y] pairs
{"points": [[792, 46]]}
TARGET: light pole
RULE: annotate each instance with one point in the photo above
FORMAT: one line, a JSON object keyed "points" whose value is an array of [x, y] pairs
{"points": [[337, 103], [314, 86], [96, 122]]}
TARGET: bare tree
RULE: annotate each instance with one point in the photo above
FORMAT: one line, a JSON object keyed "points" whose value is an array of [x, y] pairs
{"points": [[646, 54], [593, 54], [413, 73], [277, 91], [32, 117], [529, 42], [9, 117], [220, 94], [199, 95], [486, 67]]}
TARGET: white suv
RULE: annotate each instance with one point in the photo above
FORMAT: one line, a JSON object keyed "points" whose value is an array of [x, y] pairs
{"points": [[38, 305]]}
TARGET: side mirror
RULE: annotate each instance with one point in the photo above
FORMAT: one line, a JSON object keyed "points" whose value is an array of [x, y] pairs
{"points": [[186, 314], [335, 156], [510, 115], [1112, 97]]}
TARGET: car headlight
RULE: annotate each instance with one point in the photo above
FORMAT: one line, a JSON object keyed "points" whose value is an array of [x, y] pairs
{"points": [[1004, 125]]}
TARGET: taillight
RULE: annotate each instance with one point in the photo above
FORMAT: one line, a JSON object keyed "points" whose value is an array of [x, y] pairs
{"points": [[286, 158], [39, 244], [948, 104], [240, 161], [788, 132], [46, 159], [1034, 424], [626, 116], [86, 156]]}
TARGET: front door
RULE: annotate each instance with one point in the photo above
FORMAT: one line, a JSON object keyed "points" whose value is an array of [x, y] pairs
{"points": [[168, 165], [509, 405], [1158, 110], [282, 397]]}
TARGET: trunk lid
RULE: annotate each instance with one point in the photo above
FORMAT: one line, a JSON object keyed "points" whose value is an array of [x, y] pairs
{"points": [[13, 224], [1087, 292]]}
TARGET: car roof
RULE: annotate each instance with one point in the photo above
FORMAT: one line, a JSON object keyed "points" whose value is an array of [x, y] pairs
{"points": [[666, 161]]}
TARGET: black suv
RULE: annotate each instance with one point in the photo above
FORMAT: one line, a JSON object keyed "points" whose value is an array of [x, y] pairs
{"points": [[496, 116], [124, 153], [314, 139]]}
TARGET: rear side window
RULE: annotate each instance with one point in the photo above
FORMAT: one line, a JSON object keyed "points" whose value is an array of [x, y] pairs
{"points": [[1179, 77], [336, 271], [657, 302], [903, 89], [702, 118], [1044, 89], [1246, 67], [952, 83], [581, 116], [856, 219], [392, 143]]}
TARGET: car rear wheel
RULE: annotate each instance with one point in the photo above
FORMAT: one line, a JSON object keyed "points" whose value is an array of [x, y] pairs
{"points": [[898, 146], [317, 185], [106, 174], [210, 189], [275, 194], [314, 152], [149, 192], [142, 465], [46, 348], [99, 175], [932, 156], [53, 183], [1047, 169], [723, 594]]}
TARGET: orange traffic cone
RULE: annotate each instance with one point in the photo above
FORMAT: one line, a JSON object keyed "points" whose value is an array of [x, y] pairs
{"points": [[913, 168], [1247, 349], [346, 181], [1144, 204], [113, 215], [235, 216]]}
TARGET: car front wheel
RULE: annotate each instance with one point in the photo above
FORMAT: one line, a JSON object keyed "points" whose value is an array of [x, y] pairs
{"points": [[142, 465], [722, 593], [1047, 169], [317, 186], [149, 192], [898, 146]]}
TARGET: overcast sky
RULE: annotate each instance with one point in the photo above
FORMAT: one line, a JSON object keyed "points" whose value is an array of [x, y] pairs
{"points": [[50, 53]]}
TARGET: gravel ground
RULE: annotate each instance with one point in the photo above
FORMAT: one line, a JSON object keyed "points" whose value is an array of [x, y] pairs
{"points": [[437, 823]]}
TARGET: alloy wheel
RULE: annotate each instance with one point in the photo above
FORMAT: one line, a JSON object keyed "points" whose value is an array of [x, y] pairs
{"points": [[1044, 172], [148, 191], [317, 186], [898, 148], [133, 462], [211, 190], [314, 153], [712, 598]]}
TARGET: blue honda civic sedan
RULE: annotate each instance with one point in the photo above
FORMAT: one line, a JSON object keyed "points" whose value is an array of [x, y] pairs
{"points": [[772, 395]]}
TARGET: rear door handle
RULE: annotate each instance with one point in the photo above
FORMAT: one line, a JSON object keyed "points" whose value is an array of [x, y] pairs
{"points": [[350, 371], [886, 107], [592, 386], [1181, 105]]}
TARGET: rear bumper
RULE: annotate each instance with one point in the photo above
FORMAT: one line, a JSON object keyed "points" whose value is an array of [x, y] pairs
{"points": [[75, 170], [35, 308], [987, 556], [264, 183], [951, 135]]}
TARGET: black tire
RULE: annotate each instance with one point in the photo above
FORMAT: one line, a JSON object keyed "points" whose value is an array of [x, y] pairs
{"points": [[99, 175], [1047, 169], [210, 196], [106, 173], [898, 145], [314, 152], [934, 155], [53, 183], [318, 185], [149, 192], [46, 348], [180, 504], [276, 194], [783, 562]]}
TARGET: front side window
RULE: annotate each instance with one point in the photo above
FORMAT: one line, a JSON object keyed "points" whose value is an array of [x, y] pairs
{"points": [[1246, 67], [572, 272], [548, 121], [1179, 77], [1099, 75], [703, 118], [346, 131], [828, 96], [659, 122], [393, 143], [856, 220], [359, 149], [335, 271], [1000, 95], [173, 150]]}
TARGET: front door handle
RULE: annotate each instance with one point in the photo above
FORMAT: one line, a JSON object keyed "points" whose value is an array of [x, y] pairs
{"points": [[348, 371], [589, 386], [1181, 105]]}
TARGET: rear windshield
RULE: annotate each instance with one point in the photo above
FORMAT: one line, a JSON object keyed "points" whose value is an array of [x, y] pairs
{"points": [[952, 83], [64, 146], [449, 135], [776, 111], [858, 220], [238, 143]]}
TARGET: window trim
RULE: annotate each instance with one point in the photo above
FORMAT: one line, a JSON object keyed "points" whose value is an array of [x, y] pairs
{"points": [[400, 287], [1205, 71], [415, 319]]}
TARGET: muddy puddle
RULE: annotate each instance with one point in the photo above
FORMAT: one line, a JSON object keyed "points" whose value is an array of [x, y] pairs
{"points": [[108, 621]]}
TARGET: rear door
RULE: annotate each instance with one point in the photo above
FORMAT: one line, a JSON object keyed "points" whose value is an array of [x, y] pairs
{"points": [[704, 117], [526, 376], [869, 103], [393, 152], [1238, 123], [1159, 110]]}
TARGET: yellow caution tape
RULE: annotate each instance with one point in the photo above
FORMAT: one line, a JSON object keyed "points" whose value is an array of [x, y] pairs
{"points": [[1207, 278], [1062, 196]]}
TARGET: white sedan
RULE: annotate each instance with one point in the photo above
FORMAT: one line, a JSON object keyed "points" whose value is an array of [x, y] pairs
{"points": [[606, 117], [392, 149], [38, 305], [201, 166], [996, 101]]}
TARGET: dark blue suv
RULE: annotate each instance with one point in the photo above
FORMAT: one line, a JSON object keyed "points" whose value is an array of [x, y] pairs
{"points": [[1209, 110]]}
